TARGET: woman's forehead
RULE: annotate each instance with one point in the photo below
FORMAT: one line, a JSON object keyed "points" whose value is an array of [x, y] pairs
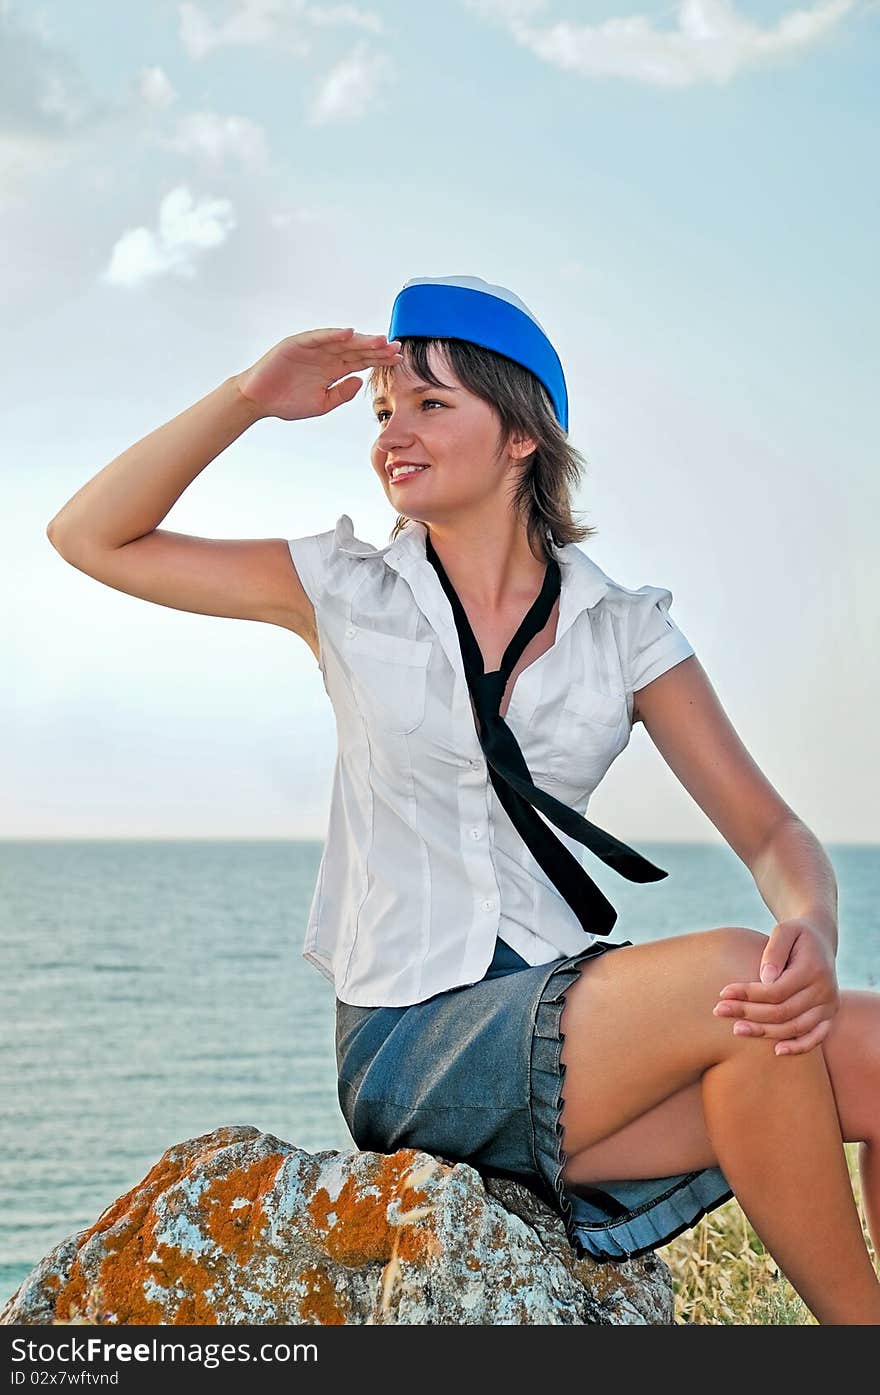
{"points": [[403, 377]]}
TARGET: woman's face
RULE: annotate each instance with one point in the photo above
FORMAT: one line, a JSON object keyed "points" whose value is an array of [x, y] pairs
{"points": [[451, 431]]}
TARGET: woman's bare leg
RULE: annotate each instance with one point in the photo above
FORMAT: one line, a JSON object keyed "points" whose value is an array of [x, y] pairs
{"points": [[672, 1137], [852, 1053], [639, 1028]]}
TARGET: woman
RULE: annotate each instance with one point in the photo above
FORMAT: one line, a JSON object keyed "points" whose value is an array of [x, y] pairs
{"points": [[461, 931]]}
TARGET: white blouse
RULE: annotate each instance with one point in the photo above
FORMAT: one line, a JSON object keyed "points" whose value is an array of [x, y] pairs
{"points": [[422, 868]]}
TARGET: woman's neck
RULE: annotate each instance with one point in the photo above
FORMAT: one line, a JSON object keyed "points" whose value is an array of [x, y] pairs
{"points": [[492, 572]]}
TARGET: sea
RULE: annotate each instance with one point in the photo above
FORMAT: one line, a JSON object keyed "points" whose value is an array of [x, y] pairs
{"points": [[152, 991]]}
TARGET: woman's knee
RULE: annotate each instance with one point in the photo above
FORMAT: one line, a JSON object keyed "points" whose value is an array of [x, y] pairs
{"points": [[638, 1025], [852, 1054], [682, 974], [733, 954]]}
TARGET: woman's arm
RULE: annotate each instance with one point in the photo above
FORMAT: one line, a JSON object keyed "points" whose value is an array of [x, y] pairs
{"points": [[797, 996], [109, 528], [131, 495], [796, 879], [685, 720], [683, 716]]}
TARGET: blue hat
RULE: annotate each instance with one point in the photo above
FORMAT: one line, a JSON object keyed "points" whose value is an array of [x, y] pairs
{"points": [[466, 307]]}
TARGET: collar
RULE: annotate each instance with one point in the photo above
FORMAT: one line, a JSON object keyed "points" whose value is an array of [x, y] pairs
{"points": [[583, 582]]}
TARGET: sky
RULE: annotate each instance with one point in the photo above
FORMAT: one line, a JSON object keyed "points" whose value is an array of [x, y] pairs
{"points": [[685, 195]]}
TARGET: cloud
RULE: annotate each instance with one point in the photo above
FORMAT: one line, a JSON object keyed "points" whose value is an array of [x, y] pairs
{"points": [[269, 23], [214, 139], [331, 15], [711, 44], [155, 88], [352, 88], [186, 229]]}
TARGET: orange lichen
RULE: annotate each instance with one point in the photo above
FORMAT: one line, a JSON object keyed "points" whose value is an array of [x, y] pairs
{"points": [[237, 1229], [320, 1303], [126, 1266], [362, 1232], [366, 1223]]}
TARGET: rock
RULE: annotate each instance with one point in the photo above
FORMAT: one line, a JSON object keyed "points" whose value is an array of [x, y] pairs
{"points": [[238, 1227]]}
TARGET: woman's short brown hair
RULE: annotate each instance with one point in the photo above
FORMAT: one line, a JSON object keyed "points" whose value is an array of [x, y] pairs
{"points": [[546, 477]]}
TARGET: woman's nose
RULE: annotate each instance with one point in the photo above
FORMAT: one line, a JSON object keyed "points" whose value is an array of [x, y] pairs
{"points": [[388, 440]]}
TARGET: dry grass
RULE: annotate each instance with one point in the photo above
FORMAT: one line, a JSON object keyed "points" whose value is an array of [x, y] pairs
{"points": [[722, 1273], [393, 1276]]}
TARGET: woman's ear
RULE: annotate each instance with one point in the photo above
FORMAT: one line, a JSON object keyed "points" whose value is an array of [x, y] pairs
{"points": [[520, 446]]}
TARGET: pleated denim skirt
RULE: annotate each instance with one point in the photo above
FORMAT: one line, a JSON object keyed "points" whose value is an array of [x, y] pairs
{"points": [[474, 1075]]}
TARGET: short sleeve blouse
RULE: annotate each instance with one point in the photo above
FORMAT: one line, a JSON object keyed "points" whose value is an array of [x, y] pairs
{"points": [[422, 868]]}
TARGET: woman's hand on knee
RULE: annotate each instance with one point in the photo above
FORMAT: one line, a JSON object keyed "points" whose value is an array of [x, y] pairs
{"points": [[797, 1007]]}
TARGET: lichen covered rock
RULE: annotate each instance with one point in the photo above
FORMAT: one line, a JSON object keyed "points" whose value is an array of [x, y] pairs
{"points": [[238, 1227]]}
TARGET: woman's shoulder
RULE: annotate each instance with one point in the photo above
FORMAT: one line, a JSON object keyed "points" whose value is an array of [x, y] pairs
{"points": [[606, 590]]}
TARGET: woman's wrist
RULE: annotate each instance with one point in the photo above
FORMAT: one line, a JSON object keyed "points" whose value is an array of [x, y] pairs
{"points": [[251, 411], [824, 922]]}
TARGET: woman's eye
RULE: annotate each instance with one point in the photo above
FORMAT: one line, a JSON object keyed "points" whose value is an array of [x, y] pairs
{"points": [[427, 401]]}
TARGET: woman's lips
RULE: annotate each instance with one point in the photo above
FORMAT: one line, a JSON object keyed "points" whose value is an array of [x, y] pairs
{"points": [[410, 475]]}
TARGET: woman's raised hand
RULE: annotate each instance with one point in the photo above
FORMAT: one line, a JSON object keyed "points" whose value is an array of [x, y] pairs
{"points": [[305, 375]]}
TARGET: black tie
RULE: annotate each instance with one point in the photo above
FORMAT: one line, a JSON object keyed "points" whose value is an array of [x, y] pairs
{"points": [[517, 791]]}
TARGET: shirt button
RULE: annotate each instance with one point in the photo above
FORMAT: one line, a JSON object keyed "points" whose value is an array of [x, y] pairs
{"points": [[476, 833], [488, 905], [350, 632], [471, 763]]}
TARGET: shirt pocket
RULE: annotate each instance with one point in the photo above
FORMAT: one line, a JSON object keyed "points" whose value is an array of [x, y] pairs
{"points": [[389, 678], [591, 731]]}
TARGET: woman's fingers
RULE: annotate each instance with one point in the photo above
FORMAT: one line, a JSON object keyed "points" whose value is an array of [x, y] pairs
{"points": [[371, 341], [335, 333], [765, 1012], [794, 1048], [784, 1031], [774, 992], [364, 354], [291, 380], [344, 340], [343, 392], [378, 355], [365, 342], [797, 1027]]}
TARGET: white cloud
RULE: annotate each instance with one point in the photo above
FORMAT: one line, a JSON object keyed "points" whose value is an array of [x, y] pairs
{"points": [[251, 22], [352, 88], [329, 15], [185, 230], [216, 138], [274, 23], [155, 88], [712, 42]]}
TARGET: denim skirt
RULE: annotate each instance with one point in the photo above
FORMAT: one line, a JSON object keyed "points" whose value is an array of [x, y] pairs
{"points": [[474, 1075]]}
